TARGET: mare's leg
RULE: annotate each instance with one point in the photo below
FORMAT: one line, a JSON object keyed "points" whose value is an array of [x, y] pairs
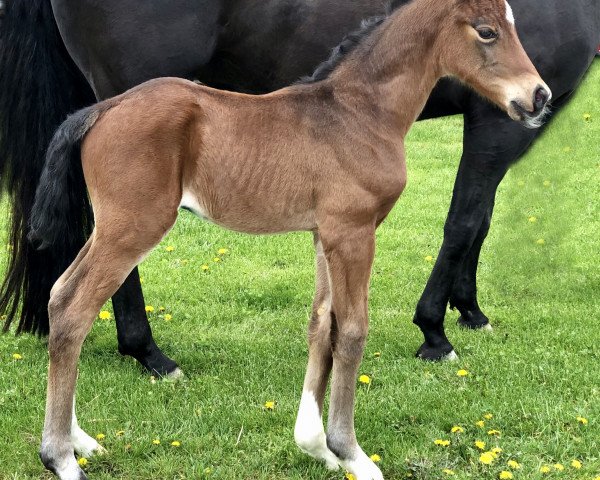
{"points": [[464, 291], [491, 143], [133, 330], [349, 252], [309, 432]]}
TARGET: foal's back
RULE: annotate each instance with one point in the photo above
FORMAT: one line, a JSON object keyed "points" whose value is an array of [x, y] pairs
{"points": [[258, 164]]}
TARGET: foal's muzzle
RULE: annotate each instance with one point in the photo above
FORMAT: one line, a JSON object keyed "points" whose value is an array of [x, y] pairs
{"points": [[534, 116]]}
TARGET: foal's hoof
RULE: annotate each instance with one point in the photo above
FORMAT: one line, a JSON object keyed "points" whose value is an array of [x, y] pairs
{"points": [[434, 354]]}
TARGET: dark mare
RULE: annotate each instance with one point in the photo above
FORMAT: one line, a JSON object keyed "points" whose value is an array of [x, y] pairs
{"points": [[251, 46]]}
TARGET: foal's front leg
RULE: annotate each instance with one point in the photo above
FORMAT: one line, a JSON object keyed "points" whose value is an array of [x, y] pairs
{"points": [[349, 253], [309, 432]]}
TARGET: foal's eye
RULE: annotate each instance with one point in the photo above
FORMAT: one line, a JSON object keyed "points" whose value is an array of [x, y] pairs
{"points": [[487, 34]]}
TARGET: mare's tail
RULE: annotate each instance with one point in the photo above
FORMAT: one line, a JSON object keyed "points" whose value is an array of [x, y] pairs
{"points": [[39, 86]]}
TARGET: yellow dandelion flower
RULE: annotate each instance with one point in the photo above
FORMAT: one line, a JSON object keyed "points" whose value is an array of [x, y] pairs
{"points": [[457, 429], [104, 315], [204, 268], [513, 464], [504, 475], [100, 436], [480, 424], [168, 317], [156, 441], [207, 471], [582, 420], [532, 219], [462, 373], [494, 432], [270, 405], [544, 469], [349, 476], [175, 443], [496, 451], [576, 464], [559, 466], [447, 471], [142, 279], [17, 356], [587, 117], [216, 259], [364, 379], [223, 251], [428, 258], [480, 445], [149, 308], [377, 354], [486, 458], [488, 416], [161, 309], [547, 183], [540, 241], [120, 433], [442, 443], [375, 458], [169, 248], [82, 462]]}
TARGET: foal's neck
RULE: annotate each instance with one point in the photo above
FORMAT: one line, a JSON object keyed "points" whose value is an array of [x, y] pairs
{"points": [[395, 69]]}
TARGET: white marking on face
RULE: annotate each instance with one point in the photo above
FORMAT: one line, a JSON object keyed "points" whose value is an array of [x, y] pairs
{"points": [[509, 14], [190, 201], [309, 433]]}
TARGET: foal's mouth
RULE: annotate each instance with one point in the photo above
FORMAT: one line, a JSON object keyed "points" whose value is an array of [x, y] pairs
{"points": [[530, 119]]}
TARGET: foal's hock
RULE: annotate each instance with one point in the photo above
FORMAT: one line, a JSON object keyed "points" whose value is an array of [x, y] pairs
{"points": [[325, 156]]}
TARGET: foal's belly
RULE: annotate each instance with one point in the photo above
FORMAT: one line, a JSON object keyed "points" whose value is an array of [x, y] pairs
{"points": [[247, 215]]}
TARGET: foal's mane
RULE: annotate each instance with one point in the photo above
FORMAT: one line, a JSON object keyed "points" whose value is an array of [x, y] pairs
{"points": [[350, 42]]}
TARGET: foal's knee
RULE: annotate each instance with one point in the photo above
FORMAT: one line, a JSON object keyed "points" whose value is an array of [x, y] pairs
{"points": [[349, 341]]}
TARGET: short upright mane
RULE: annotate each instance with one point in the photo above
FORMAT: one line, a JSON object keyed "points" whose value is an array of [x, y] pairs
{"points": [[350, 42]]}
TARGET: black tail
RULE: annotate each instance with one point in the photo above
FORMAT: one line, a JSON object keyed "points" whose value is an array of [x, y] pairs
{"points": [[39, 86], [56, 219]]}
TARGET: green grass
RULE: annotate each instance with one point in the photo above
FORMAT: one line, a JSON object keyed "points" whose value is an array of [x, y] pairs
{"points": [[238, 331]]}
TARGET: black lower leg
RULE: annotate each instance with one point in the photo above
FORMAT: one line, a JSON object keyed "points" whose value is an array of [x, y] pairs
{"points": [[133, 330], [464, 291]]}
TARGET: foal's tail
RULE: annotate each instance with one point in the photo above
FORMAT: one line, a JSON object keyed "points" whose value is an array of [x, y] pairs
{"points": [[57, 212]]}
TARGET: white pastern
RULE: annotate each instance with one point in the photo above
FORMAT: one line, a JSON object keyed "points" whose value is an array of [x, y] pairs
{"points": [[362, 467], [69, 470], [309, 433], [509, 14], [83, 444], [451, 357], [487, 327]]}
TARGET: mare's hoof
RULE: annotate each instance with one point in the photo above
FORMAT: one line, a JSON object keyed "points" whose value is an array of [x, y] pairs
{"points": [[433, 354], [479, 323], [175, 375]]}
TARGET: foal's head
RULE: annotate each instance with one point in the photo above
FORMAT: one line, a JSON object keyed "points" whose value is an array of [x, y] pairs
{"points": [[480, 46]]}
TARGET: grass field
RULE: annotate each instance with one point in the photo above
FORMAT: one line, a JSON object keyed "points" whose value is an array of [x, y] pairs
{"points": [[238, 332]]}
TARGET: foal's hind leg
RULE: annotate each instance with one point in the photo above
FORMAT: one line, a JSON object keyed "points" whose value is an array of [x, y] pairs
{"points": [[309, 432], [72, 309], [349, 252]]}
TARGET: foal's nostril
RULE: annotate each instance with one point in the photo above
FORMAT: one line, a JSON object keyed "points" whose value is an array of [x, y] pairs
{"points": [[540, 98]]}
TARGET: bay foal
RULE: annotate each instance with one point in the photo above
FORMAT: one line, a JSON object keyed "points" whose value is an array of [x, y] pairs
{"points": [[325, 156]]}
